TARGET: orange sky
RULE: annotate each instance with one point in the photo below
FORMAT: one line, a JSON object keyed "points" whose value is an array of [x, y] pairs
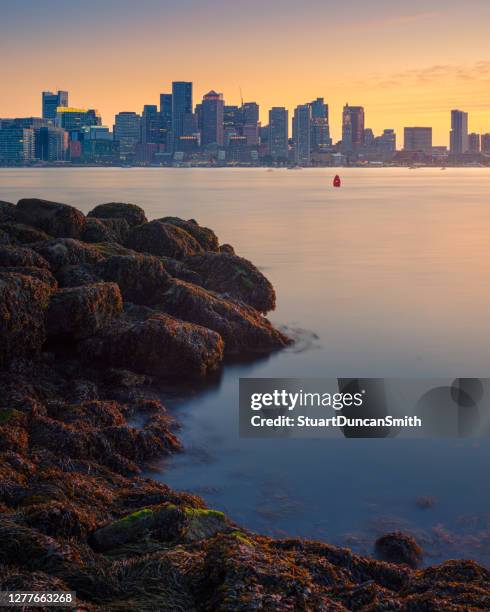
{"points": [[406, 63]]}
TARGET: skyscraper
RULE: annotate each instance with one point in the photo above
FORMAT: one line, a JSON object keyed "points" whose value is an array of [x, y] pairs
{"points": [[302, 134], [165, 118], [51, 101], [212, 119], [320, 129], [278, 133], [418, 139], [485, 143], [150, 124], [458, 137], [74, 119], [127, 133], [181, 106], [352, 128], [473, 143]]}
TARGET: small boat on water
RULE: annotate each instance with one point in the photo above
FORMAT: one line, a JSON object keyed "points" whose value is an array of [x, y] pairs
{"points": [[336, 181]]}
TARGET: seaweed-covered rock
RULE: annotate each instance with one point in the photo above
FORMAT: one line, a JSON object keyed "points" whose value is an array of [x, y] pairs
{"points": [[244, 330], [56, 219], [398, 547], [23, 303], [118, 226], [7, 211], [4, 237], [158, 238], [158, 345], [205, 236], [23, 234], [41, 274], [77, 275], [21, 256], [234, 276], [82, 311], [141, 278], [67, 252], [133, 214], [95, 230]]}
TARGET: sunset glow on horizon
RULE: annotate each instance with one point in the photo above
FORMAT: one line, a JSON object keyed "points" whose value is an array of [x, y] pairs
{"points": [[406, 64]]}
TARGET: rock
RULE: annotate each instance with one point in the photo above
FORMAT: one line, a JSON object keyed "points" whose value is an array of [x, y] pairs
{"points": [[235, 276], [58, 220], [205, 236], [159, 238], [23, 234], [21, 256], [23, 303], [165, 523], [4, 237], [67, 252], [118, 226], [157, 345], [80, 312], [244, 330], [95, 230], [7, 211], [400, 548], [134, 215], [227, 248], [41, 274], [77, 275], [141, 278]]}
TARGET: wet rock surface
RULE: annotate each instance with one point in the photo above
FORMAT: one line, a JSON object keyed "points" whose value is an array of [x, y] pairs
{"points": [[79, 419]]}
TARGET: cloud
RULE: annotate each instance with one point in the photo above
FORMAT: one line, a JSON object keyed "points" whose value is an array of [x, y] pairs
{"points": [[384, 23]]}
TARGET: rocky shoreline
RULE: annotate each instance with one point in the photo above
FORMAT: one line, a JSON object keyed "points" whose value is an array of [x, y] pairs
{"points": [[100, 316]]}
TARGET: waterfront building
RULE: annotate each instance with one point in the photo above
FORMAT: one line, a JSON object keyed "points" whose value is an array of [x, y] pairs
{"points": [[212, 119], [302, 134], [150, 124], [473, 143], [51, 102], [16, 145], [352, 128], [181, 106], [278, 133], [127, 129], [458, 137], [485, 143], [417, 139]]}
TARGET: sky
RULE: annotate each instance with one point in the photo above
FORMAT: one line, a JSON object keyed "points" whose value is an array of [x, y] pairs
{"points": [[407, 63]]}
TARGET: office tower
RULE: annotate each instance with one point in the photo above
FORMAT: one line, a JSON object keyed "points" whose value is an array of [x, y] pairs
{"points": [[278, 133], [51, 101], [181, 106], [165, 118], [485, 143], [302, 134], [368, 137], [418, 139], [150, 124], [51, 143], [250, 113], [16, 145], [352, 127], [320, 128], [74, 119], [127, 133], [387, 141], [212, 119], [458, 137], [473, 143]]}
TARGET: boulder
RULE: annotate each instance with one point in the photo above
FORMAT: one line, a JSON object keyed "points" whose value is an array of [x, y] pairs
{"points": [[244, 330], [77, 275], [141, 278], [118, 226], [7, 211], [4, 237], [23, 234], [58, 220], [67, 252], [205, 236], [158, 238], [158, 345], [95, 230], [80, 312], [21, 256], [400, 548], [41, 274], [235, 276], [23, 304], [134, 215]]}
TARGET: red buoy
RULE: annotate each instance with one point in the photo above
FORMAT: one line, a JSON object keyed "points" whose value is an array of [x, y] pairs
{"points": [[336, 181]]}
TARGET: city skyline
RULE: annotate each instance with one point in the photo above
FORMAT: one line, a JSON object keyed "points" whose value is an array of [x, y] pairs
{"points": [[279, 54]]}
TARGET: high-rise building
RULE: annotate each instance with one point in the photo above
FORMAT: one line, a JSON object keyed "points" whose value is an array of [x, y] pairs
{"points": [[320, 128], [181, 106], [418, 139], [250, 113], [302, 134], [212, 119], [473, 143], [150, 124], [51, 143], [352, 128], [51, 101], [165, 118], [16, 145], [458, 137], [485, 143], [74, 119], [127, 130], [278, 133]]}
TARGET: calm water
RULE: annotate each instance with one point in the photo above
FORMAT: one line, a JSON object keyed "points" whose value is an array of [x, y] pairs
{"points": [[386, 277]]}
